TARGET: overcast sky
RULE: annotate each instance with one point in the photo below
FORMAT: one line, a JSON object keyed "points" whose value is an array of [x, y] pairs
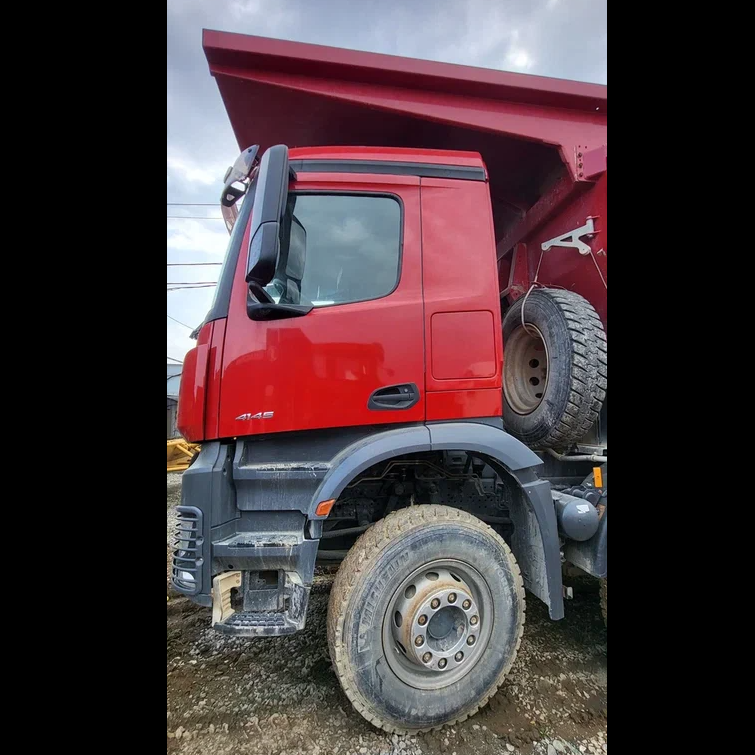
{"points": [[561, 38]]}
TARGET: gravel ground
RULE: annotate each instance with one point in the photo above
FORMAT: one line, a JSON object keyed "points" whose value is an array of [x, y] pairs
{"points": [[279, 696]]}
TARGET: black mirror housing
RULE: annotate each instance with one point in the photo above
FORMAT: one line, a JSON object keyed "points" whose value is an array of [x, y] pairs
{"points": [[270, 201], [269, 205], [264, 249]]}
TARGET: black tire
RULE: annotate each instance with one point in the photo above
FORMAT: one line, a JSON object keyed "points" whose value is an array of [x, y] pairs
{"points": [[577, 369], [362, 600], [604, 601]]}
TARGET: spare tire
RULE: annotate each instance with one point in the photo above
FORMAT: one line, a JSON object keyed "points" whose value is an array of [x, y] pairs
{"points": [[555, 371]]}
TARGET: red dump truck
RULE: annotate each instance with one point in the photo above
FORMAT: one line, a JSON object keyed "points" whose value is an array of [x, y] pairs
{"points": [[403, 368]]}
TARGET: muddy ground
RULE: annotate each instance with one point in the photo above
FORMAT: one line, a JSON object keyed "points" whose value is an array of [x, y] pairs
{"points": [[279, 696]]}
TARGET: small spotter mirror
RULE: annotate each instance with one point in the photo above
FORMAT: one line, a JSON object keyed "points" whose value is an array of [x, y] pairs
{"points": [[239, 173]]}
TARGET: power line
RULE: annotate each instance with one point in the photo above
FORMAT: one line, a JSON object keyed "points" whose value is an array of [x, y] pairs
{"points": [[192, 264], [180, 323], [192, 204], [192, 283], [180, 361]]}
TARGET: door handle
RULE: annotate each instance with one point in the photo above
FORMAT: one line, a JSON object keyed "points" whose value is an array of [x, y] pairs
{"points": [[394, 398]]}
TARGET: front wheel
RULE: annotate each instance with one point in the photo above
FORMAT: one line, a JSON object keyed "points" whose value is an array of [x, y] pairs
{"points": [[425, 618]]}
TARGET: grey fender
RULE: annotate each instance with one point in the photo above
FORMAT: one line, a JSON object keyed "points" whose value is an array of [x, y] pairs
{"points": [[535, 543], [365, 453], [483, 439]]}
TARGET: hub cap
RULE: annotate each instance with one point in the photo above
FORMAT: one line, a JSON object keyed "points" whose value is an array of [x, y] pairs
{"points": [[525, 371], [437, 625]]}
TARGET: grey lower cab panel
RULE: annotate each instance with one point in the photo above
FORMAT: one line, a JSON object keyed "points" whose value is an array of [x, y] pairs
{"points": [[294, 471], [257, 496], [247, 553], [283, 472]]}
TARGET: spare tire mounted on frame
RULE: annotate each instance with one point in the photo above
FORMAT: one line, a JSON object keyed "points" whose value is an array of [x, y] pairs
{"points": [[555, 370]]}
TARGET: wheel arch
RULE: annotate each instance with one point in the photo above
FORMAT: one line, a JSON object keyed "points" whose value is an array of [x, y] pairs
{"points": [[536, 543]]}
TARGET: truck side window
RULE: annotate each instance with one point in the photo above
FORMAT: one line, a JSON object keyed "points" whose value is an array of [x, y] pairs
{"points": [[338, 249]]}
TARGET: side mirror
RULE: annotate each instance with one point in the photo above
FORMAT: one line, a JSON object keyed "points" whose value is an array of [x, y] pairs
{"points": [[268, 217], [297, 251], [239, 173], [270, 200]]}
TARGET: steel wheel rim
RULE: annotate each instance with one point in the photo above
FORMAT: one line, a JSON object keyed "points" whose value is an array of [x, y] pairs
{"points": [[526, 369], [448, 627]]}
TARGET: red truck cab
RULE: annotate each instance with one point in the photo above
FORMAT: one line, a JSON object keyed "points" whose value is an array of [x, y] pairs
{"points": [[373, 239], [350, 386]]}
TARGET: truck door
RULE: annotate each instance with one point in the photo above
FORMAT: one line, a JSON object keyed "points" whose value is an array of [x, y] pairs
{"points": [[358, 357]]}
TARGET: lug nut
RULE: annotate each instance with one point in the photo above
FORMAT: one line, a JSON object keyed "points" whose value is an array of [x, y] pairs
{"points": [[422, 620], [452, 597], [459, 657], [419, 641], [427, 657], [473, 621], [435, 603], [442, 663], [466, 605], [470, 640]]}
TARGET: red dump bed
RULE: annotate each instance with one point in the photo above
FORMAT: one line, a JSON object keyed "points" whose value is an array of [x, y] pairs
{"points": [[543, 140]]}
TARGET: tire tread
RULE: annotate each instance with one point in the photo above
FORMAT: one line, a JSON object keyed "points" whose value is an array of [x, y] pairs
{"points": [[589, 373], [359, 560]]}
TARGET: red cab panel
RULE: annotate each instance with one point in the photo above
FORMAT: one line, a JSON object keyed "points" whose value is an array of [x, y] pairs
{"points": [[192, 393], [462, 312], [464, 404], [214, 375], [456, 356], [321, 370]]}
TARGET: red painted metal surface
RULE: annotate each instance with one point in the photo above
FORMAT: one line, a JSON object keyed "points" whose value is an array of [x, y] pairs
{"points": [[192, 393], [464, 404], [527, 128], [390, 154], [566, 267], [458, 249], [516, 266], [593, 162], [463, 345], [247, 53], [319, 371], [560, 194], [214, 379]]}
